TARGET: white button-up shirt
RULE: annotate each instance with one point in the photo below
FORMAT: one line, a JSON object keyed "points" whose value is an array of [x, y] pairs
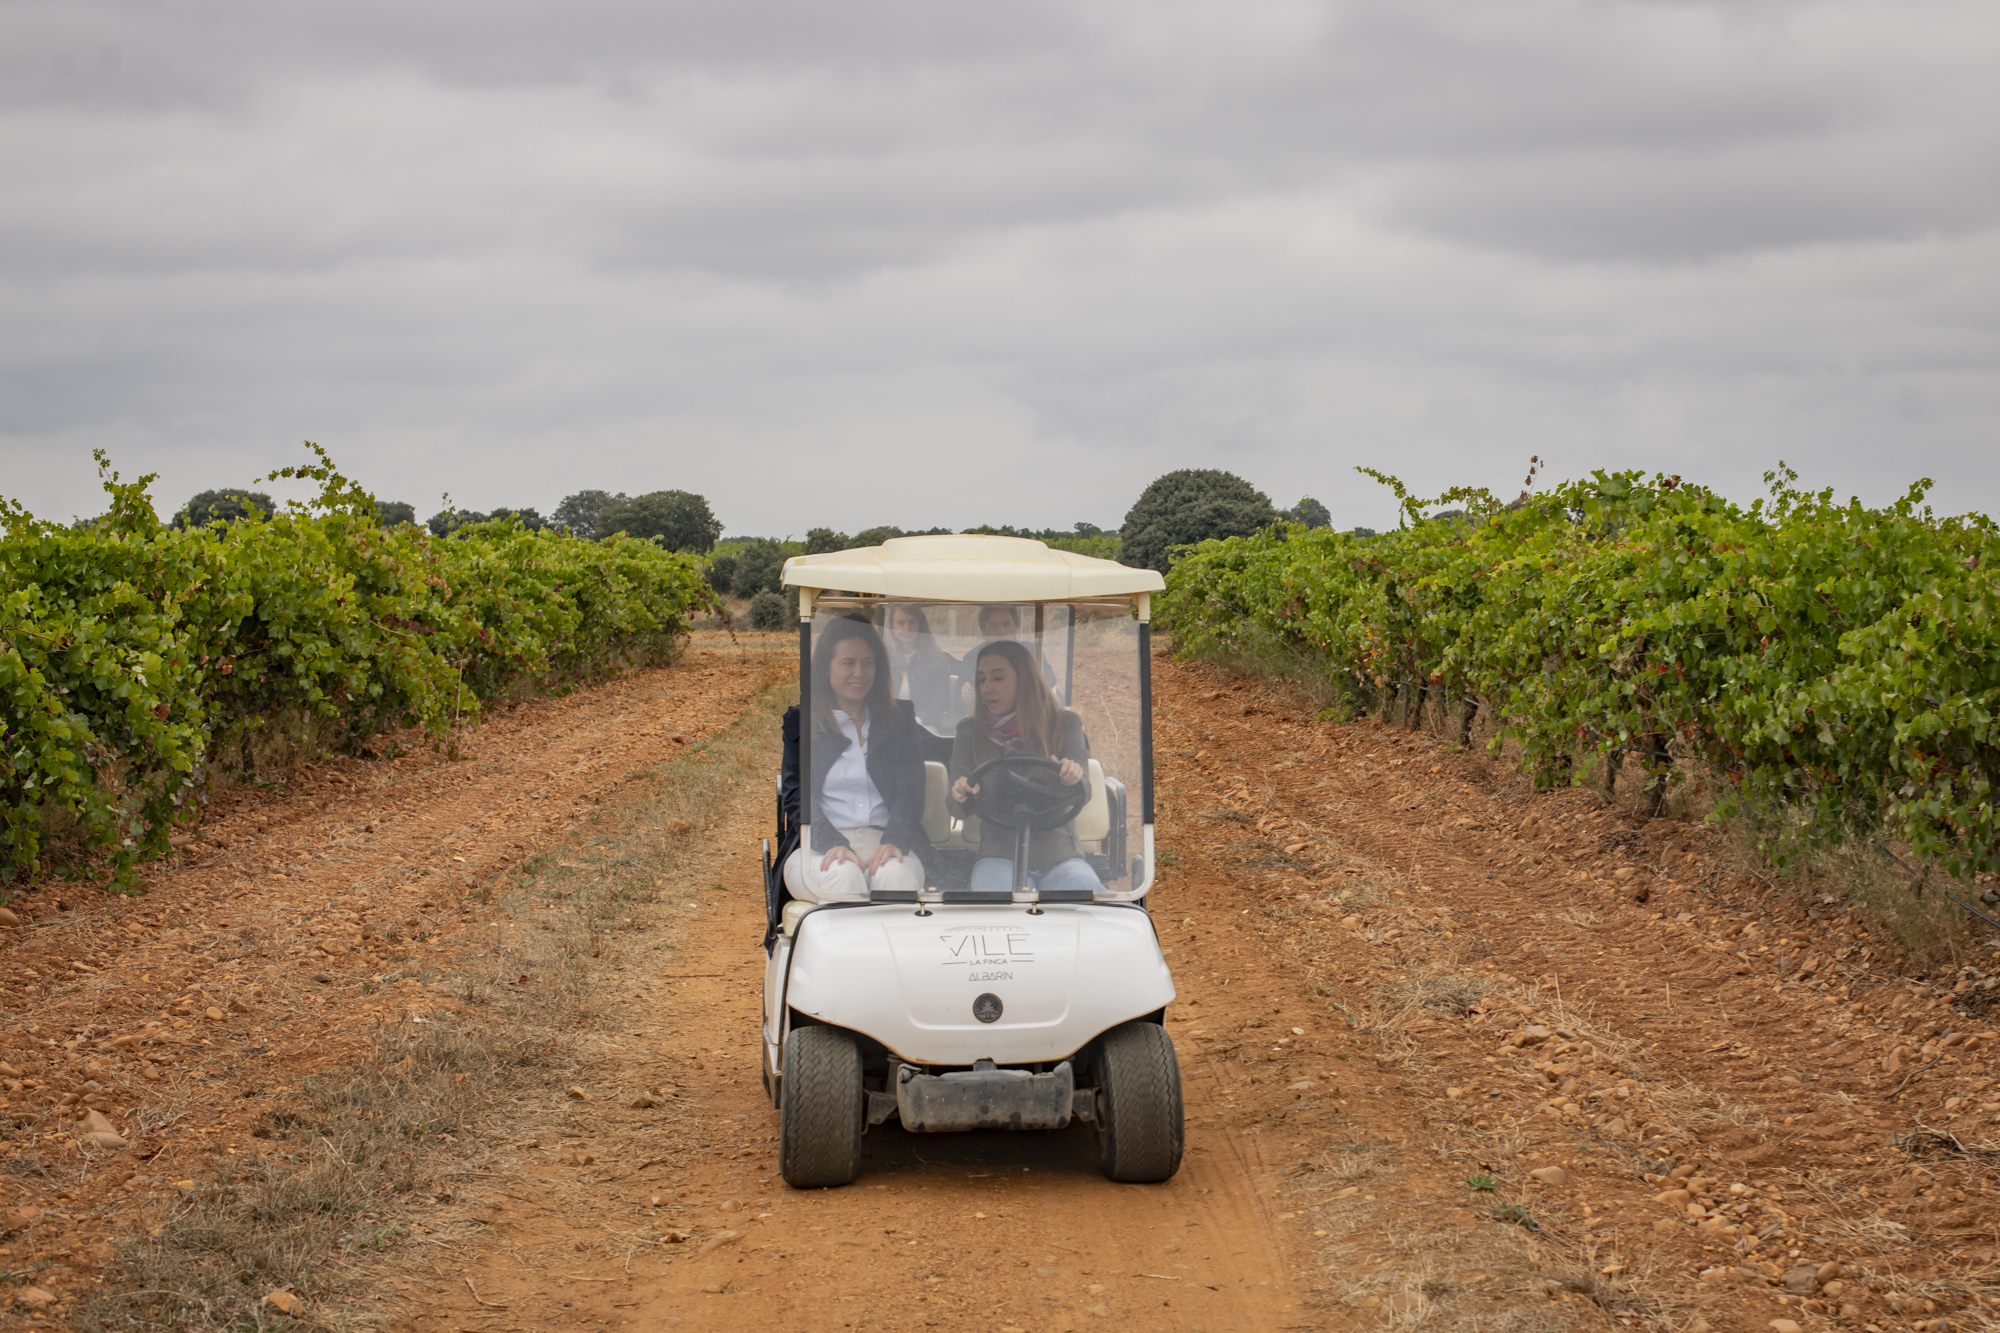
{"points": [[850, 797]]}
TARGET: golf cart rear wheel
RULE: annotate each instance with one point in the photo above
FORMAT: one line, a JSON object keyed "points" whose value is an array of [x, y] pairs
{"points": [[1140, 1132], [820, 1116]]}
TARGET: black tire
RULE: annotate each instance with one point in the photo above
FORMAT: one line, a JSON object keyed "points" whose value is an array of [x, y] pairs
{"points": [[820, 1115], [1140, 1132]]}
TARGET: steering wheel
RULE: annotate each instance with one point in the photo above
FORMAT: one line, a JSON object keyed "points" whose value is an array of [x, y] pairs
{"points": [[1023, 791]]}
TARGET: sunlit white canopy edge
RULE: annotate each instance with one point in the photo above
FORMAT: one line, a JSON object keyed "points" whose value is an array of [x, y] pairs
{"points": [[969, 567]]}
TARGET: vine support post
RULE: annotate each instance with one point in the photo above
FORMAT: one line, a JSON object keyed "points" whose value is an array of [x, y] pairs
{"points": [[1653, 748]]}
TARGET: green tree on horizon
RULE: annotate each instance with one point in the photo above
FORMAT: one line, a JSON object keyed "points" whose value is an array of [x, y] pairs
{"points": [[1188, 506], [223, 506], [677, 520], [578, 514]]}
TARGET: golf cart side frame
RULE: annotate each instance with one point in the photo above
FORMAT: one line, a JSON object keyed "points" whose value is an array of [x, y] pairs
{"points": [[1128, 588]]}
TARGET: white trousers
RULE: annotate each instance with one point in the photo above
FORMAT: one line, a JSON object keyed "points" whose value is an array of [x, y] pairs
{"points": [[845, 882]]}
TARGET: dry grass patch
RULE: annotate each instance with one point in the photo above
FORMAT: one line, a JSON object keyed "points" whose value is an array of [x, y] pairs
{"points": [[1413, 1272], [1534, 1261], [343, 1170]]}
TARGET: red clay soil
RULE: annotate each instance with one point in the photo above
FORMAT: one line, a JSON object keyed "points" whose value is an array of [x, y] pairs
{"points": [[1443, 1067], [240, 971], [1645, 1012]]}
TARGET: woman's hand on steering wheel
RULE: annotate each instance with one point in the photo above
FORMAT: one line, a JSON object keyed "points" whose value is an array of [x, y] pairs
{"points": [[1020, 794]]}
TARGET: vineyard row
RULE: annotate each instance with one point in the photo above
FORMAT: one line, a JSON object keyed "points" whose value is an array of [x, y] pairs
{"points": [[135, 655], [1836, 665]]}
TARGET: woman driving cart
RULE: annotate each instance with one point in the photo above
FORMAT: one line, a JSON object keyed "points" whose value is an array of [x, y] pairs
{"points": [[1017, 714]]}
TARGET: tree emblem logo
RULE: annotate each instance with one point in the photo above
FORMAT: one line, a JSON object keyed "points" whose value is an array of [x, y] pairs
{"points": [[987, 1008]]}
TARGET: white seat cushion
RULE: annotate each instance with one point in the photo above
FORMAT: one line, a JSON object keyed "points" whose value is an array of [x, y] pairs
{"points": [[1093, 822], [937, 804]]}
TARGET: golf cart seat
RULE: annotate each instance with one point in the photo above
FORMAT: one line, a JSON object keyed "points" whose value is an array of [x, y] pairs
{"points": [[1098, 823]]}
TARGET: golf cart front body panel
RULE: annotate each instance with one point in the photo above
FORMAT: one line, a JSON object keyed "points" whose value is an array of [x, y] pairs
{"points": [[965, 983]]}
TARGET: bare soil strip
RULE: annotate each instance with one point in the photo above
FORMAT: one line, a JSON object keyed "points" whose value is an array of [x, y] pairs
{"points": [[306, 923], [1432, 1052], [1726, 1108]]}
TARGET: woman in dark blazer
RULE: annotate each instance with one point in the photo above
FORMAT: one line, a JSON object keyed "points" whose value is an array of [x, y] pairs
{"points": [[920, 672], [867, 775]]}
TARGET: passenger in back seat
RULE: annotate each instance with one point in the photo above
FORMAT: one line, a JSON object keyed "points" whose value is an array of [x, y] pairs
{"points": [[999, 622], [919, 670], [867, 775], [1017, 713]]}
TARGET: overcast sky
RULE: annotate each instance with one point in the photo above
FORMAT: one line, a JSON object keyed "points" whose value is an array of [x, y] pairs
{"points": [[903, 261]]}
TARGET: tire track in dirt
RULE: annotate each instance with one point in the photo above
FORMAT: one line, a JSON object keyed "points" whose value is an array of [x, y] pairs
{"points": [[1768, 1056]]}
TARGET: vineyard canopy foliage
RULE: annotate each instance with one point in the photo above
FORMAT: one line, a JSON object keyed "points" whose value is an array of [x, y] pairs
{"points": [[1837, 666], [134, 653]]}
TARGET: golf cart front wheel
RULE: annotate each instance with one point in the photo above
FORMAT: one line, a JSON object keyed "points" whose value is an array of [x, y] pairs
{"points": [[1140, 1131], [820, 1115]]}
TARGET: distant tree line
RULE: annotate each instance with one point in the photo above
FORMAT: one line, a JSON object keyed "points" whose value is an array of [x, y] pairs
{"points": [[1197, 504], [676, 520], [1176, 511], [230, 504]]}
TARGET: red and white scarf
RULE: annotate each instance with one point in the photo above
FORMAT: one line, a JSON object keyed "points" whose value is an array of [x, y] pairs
{"points": [[1005, 732]]}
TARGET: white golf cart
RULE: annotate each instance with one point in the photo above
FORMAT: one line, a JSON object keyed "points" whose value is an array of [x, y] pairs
{"points": [[954, 1008]]}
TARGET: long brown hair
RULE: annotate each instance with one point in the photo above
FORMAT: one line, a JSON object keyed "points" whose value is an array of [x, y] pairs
{"points": [[881, 707], [926, 651], [1035, 706]]}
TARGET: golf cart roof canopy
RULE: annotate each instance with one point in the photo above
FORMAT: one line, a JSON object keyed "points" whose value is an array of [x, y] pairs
{"points": [[968, 567]]}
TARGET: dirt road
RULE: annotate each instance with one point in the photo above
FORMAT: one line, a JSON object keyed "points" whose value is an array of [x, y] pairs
{"points": [[1434, 1047], [957, 1231]]}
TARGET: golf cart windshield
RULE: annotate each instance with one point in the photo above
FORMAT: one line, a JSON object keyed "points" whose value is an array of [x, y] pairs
{"points": [[1089, 657]]}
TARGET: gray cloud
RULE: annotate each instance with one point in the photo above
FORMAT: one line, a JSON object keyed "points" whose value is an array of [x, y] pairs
{"points": [[916, 263]]}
